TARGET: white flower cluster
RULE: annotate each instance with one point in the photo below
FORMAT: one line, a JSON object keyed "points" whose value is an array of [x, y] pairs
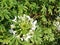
{"points": [[57, 23], [30, 33]]}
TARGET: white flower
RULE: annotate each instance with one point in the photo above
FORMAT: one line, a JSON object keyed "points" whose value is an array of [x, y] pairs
{"points": [[14, 19], [30, 21]]}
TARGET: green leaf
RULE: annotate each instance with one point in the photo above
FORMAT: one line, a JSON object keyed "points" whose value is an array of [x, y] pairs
{"points": [[52, 1], [16, 42], [12, 41], [1, 18], [2, 28], [7, 17], [43, 10], [1, 40]]}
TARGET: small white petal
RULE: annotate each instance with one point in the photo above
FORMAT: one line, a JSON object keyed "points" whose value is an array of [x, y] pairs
{"points": [[35, 22], [21, 39], [14, 32], [33, 28], [14, 19]]}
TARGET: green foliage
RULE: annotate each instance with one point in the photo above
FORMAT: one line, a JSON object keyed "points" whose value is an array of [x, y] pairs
{"points": [[44, 11]]}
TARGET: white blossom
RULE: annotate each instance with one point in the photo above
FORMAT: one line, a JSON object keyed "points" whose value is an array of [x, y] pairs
{"points": [[57, 23], [30, 33]]}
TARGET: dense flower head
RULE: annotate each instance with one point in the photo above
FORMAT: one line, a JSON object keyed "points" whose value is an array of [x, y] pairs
{"points": [[23, 25], [57, 23]]}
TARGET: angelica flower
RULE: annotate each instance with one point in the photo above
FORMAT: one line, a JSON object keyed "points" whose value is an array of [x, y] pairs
{"points": [[25, 23]]}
